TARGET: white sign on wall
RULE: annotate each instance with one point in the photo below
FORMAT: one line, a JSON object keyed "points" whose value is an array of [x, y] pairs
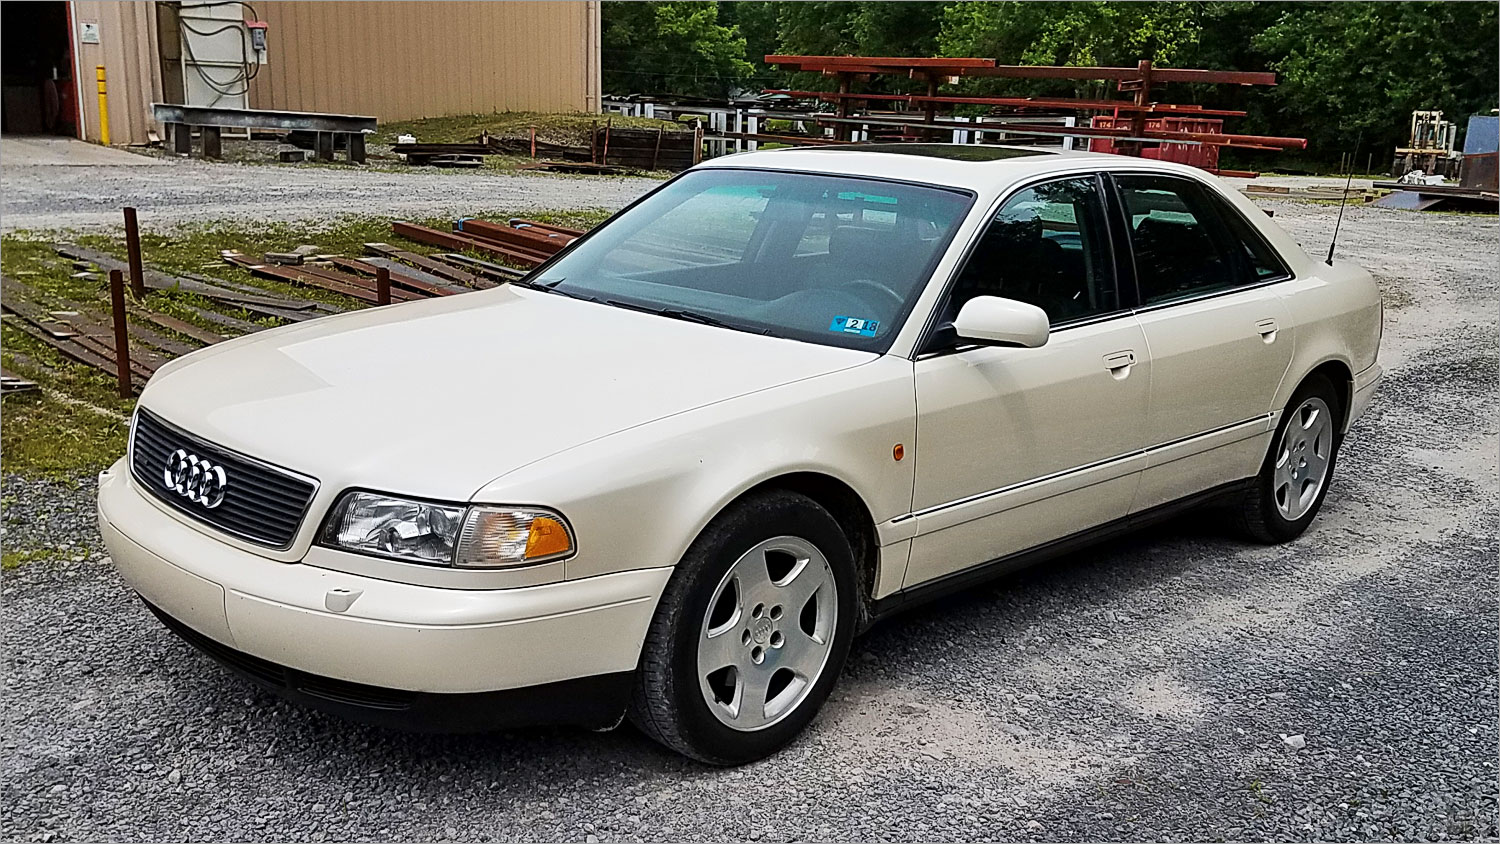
{"points": [[88, 33]]}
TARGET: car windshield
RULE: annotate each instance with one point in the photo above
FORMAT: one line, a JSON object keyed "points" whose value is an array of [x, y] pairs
{"points": [[834, 260]]}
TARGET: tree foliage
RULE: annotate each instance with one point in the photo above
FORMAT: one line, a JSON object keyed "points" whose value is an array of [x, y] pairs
{"points": [[1344, 69], [671, 46], [1348, 70]]}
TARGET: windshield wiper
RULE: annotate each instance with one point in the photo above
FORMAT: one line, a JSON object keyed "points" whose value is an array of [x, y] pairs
{"points": [[686, 316], [549, 287]]}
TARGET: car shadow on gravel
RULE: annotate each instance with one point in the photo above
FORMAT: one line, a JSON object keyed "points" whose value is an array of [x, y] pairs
{"points": [[1082, 580]]}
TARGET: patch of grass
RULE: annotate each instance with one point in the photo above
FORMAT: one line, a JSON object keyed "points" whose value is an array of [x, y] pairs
{"points": [[46, 435], [15, 559], [572, 129]]}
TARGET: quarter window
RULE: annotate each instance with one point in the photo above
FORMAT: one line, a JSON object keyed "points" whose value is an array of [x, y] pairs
{"points": [[1261, 261], [1047, 246], [1178, 252]]}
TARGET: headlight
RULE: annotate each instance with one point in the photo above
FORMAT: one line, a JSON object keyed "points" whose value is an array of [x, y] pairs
{"points": [[446, 534]]}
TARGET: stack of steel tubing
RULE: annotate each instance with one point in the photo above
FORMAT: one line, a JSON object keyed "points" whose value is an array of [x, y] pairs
{"points": [[1130, 130]]}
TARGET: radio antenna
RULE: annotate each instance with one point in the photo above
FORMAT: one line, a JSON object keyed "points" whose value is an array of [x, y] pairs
{"points": [[1344, 201]]}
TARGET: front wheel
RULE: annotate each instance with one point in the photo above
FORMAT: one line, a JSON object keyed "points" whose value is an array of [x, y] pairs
{"points": [[751, 632], [1293, 481]]}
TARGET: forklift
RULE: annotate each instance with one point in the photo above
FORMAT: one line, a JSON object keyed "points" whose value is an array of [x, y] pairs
{"points": [[1431, 147]]}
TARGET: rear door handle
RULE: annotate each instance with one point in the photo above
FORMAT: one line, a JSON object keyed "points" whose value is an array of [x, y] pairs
{"points": [[1119, 363], [1267, 329]]}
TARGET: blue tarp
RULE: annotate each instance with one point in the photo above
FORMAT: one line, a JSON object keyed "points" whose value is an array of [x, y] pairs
{"points": [[1483, 135]]}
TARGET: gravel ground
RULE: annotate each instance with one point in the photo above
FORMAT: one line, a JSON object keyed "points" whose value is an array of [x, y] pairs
{"points": [[47, 192], [1138, 691]]}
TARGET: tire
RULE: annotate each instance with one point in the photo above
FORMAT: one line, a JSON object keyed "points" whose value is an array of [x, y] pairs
{"points": [[1284, 498], [718, 608]]}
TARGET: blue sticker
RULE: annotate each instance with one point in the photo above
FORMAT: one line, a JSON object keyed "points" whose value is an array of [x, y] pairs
{"points": [[854, 325]]}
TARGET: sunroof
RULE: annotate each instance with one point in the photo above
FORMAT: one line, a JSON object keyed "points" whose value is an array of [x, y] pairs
{"points": [[953, 152]]}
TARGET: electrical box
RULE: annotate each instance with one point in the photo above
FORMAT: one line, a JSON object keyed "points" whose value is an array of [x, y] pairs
{"points": [[218, 59], [258, 30]]}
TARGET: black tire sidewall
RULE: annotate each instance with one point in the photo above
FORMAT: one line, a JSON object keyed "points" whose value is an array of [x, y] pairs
{"points": [[753, 522], [1280, 527]]}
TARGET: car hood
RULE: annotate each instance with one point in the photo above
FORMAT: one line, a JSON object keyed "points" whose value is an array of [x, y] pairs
{"points": [[437, 398]]}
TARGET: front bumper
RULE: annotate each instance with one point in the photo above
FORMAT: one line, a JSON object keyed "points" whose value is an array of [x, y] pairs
{"points": [[409, 640]]}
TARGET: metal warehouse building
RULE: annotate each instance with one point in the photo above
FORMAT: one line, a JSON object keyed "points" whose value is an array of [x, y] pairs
{"points": [[392, 60]]}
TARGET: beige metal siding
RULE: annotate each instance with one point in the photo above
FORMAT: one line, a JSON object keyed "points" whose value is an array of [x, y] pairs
{"points": [[402, 60], [128, 50]]}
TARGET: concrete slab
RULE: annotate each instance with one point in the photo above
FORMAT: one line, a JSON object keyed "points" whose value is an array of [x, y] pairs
{"points": [[1303, 182], [37, 151]]}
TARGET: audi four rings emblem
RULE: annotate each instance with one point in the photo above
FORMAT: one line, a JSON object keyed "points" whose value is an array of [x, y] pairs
{"points": [[195, 479]]}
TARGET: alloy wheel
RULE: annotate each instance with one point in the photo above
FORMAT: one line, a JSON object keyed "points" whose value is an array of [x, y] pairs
{"points": [[767, 633], [1302, 459]]}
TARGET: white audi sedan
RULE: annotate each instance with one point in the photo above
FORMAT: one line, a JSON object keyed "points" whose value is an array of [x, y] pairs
{"points": [[674, 471]]}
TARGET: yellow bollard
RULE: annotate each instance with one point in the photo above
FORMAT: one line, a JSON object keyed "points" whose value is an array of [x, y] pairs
{"points": [[103, 107]]}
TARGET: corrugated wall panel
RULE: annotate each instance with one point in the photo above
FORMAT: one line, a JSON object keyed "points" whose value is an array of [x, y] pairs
{"points": [[401, 60], [128, 50]]}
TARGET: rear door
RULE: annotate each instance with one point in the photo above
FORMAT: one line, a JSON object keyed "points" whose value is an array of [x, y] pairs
{"points": [[1217, 329]]}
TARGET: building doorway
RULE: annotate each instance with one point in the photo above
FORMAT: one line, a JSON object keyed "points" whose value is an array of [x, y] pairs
{"points": [[38, 91]]}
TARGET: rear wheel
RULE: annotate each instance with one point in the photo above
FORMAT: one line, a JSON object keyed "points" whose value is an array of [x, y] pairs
{"points": [[1287, 494], [751, 632]]}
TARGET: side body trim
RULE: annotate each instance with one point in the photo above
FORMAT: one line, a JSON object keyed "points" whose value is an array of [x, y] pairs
{"points": [[983, 504]]}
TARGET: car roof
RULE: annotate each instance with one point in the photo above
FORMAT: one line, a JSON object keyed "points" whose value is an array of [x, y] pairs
{"points": [[978, 167]]}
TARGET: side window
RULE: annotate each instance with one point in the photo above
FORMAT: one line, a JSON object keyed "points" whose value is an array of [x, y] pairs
{"points": [[1047, 246], [1261, 261], [1178, 251]]}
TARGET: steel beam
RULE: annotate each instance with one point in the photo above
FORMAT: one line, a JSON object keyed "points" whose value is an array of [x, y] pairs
{"points": [[256, 118]]}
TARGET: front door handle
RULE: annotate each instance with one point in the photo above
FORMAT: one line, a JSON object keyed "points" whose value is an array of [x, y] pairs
{"points": [[1267, 329], [1119, 363]]}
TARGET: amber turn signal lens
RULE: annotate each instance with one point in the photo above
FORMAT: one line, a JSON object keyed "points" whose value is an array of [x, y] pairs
{"points": [[898, 452], [548, 537]]}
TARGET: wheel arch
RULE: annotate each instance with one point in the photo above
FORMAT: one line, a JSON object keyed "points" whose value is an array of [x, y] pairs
{"points": [[1341, 376], [848, 509]]}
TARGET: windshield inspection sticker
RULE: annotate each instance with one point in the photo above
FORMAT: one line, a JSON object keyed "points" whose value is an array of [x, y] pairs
{"points": [[852, 325]]}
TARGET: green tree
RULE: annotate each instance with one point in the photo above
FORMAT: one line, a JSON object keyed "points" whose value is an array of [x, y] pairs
{"points": [[1072, 33], [1359, 69], [869, 28], [670, 47]]}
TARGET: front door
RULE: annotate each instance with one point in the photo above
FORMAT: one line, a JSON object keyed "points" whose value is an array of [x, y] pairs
{"points": [[1017, 447]]}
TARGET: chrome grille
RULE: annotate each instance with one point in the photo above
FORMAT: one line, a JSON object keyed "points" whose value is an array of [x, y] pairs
{"points": [[261, 503]]}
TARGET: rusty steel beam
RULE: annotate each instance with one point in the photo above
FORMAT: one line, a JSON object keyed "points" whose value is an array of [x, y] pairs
{"points": [[523, 223], [305, 276], [66, 348], [133, 254], [411, 283], [1174, 109], [382, 286], [978, 67], [1167, 136], [937, 63], [421, 262], [543, 243], [122, 336], [186, 329], [461, 243], [353, 282], [1175, 74]]}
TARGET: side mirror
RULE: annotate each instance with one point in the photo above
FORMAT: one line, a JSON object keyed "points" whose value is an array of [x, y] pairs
{"points": [[994, 321]]}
